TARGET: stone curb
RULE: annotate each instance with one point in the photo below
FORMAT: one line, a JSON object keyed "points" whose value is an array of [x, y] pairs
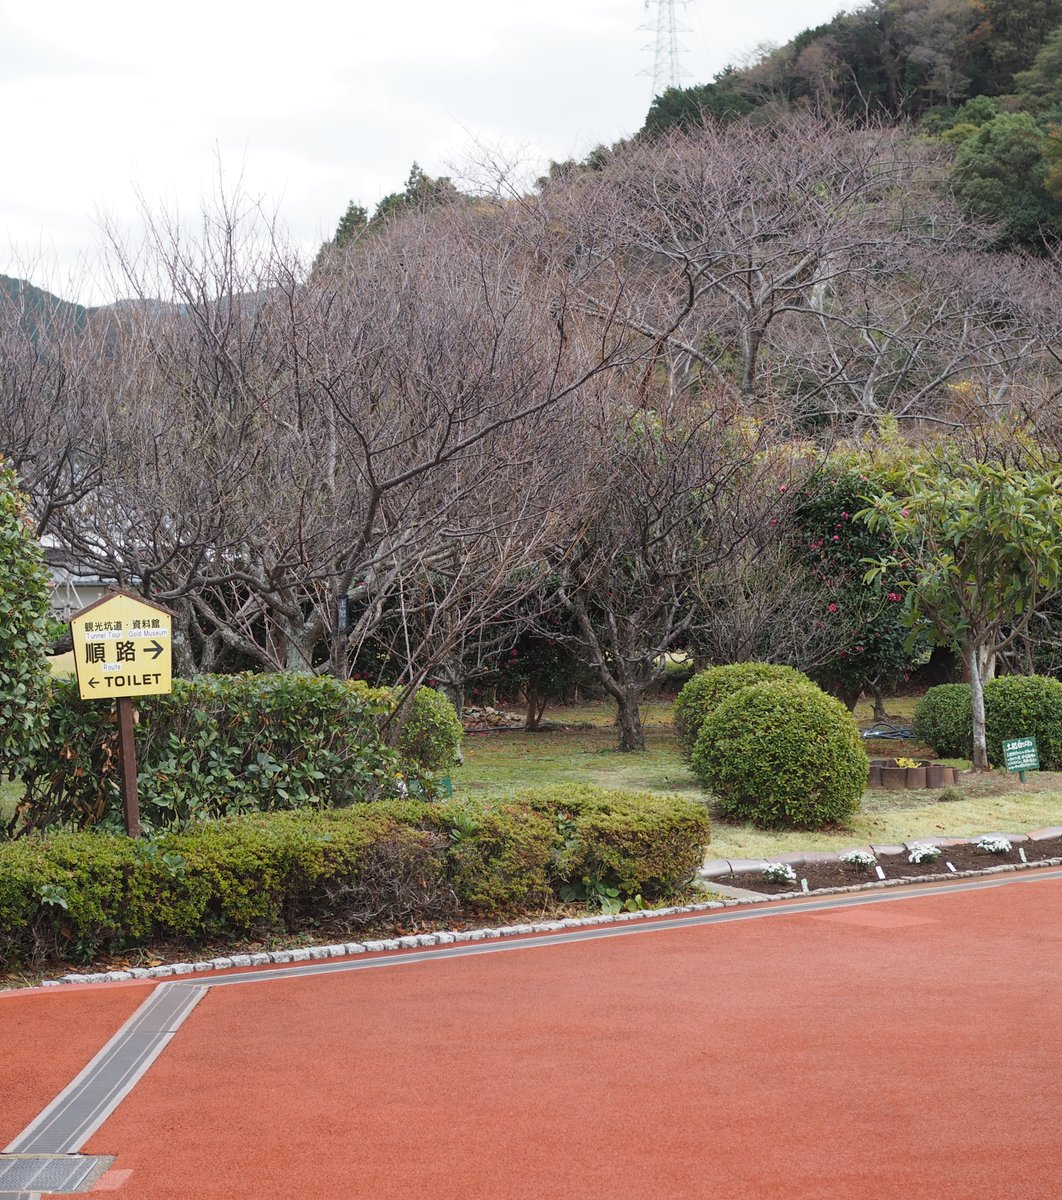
{"points": [[348, 949], [736, 898]]}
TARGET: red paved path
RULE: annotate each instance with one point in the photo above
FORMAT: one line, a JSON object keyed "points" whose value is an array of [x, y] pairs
{"points": [[898, 1049], [46, 1037]]}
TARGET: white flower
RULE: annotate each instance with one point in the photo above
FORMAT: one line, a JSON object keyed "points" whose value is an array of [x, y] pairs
{"points": [[779, 873], [994, 845], [921, 853], [859, 858]]}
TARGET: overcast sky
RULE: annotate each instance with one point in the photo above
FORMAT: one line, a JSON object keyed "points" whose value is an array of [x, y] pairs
{"points": [[311, 103]]}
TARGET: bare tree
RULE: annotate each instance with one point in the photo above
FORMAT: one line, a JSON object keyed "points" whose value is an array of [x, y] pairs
{"points": [[388, 428], [762, 605], [924, 333], [669, 493], [721, 233], [50, 396]]}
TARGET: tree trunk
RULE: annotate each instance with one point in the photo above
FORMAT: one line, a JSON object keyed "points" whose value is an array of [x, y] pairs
{"points": [[450, 678], [975, 667], [629, 719], [536, 706], [879, 701]]}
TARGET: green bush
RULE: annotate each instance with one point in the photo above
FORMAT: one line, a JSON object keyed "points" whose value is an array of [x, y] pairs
{"points": [[24, 595], [76, 895], [431, 731], [499, 854], [707, 689], [225, 744], [1015, 706], [782, 756], [1024, 706], [639, 843], [942, 719], [377, 862]]}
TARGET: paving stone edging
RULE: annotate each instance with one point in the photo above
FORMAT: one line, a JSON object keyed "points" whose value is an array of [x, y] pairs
{"points": [[738, 898]]}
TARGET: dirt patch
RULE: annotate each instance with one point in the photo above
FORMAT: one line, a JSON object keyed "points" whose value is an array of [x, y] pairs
{"points": [[834, 873]]}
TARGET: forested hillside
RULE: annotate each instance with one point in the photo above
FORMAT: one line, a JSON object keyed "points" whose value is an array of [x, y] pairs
{"points": [[982, 77]]}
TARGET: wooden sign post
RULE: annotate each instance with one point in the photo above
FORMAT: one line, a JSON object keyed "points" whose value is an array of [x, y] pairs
{"points": [[123, 648]]}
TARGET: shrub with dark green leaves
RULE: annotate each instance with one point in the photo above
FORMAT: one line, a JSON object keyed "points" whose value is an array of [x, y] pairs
{"points": [[24, 592], [1015, 706], [74, 895], [226, 744], [1018, 706], [707, 689], [782, 757], [942, 719]]}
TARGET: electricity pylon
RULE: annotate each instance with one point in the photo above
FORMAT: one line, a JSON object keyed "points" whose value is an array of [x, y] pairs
{"points": [[666, 70]]}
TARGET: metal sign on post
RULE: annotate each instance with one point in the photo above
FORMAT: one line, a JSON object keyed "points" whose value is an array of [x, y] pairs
{"points": [[1021, 755], [123, 647]]}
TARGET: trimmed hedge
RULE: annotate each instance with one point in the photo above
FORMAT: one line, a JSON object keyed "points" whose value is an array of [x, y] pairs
{"points": [[782, 757], [1024, 706], [1015, 706], [642, 843], [709, 688], [943, 720], [220, 745], [76, 895]]}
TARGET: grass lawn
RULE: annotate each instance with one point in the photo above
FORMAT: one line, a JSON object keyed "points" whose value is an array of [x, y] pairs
{"points": [[581, 749]]}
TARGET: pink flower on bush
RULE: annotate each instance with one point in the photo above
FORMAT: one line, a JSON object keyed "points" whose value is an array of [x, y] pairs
{"points": [[894, 597], [831, 607]]}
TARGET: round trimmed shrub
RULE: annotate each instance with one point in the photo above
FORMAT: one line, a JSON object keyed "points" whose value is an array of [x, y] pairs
{"points": [[1024, 706], [708, 688], [782, 756], [431, 735], [942, 720]]}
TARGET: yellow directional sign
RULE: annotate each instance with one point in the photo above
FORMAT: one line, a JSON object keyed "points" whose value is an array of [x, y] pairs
{"points": [[122, 647]]}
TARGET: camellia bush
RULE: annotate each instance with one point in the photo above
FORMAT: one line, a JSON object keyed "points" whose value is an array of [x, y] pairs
{"points": [[782, 757], [218, 745], [874, 639], [702, 694], [24, 592]]}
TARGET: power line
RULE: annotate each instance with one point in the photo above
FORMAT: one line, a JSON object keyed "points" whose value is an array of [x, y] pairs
{"points": [[666, 70]]}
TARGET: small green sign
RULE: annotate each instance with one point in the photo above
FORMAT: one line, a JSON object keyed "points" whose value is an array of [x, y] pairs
{"points": [[1021, 754]]}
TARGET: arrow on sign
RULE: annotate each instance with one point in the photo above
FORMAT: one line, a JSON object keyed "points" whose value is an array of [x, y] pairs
{"points": [[154, 649], [94, 683]]}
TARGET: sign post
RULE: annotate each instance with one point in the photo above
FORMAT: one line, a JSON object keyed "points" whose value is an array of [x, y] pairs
{"points": [[123, 648], [1021, 755]]}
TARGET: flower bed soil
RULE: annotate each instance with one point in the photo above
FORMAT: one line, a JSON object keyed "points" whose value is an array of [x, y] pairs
{"points": [[962, 855]]}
